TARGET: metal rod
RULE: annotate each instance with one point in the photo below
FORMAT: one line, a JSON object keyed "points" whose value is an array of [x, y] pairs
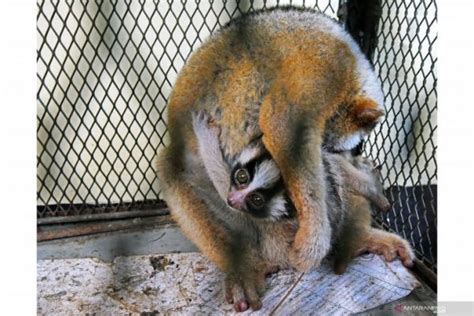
{"points": [[101, 216], [101, 227]]}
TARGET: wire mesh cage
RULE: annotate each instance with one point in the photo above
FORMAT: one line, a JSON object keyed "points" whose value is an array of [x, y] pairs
{"points": [[106, 68], [405, 143]]}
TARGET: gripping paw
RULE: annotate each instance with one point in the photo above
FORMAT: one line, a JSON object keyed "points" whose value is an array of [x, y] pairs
{"points": [[245, 292], [390, 246]]}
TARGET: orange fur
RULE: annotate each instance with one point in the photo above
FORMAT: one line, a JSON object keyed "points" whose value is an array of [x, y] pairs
{"points": [[357, 237], [365, 111], [282, 79]]}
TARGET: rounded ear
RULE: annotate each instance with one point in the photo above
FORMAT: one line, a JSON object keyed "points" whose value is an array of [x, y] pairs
{"points": [[366, 112]]}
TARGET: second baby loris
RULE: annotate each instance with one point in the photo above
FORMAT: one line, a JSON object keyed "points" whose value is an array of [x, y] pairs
{"points": [[251, 184]]}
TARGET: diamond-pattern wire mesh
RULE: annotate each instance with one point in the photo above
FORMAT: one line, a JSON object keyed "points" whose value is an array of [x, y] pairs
{"points": [[105, 71], [405, 143]]}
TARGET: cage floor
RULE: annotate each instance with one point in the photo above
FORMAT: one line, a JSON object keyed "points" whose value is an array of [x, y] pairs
{"points": [[121, 272], [190, 284]]}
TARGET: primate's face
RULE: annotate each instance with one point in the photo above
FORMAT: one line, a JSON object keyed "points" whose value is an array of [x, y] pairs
{"points": [[245, 195], [256, 186]]}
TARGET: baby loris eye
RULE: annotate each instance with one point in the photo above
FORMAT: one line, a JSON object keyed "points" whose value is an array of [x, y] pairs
{"points": [[257, 200], [242, 176]]}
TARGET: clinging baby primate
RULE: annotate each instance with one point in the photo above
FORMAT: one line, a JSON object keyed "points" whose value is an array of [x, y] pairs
{"points": [[251, 182], [353, 181], [297, 81]]}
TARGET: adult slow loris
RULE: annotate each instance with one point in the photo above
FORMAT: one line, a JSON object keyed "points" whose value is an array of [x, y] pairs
{"points": [[251, 184], [294, 78]]}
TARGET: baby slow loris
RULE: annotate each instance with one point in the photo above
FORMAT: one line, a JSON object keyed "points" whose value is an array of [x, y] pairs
{"points": [[251, 184]]}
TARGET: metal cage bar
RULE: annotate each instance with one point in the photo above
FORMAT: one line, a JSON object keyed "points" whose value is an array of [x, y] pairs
{"points": [[106, 68]]}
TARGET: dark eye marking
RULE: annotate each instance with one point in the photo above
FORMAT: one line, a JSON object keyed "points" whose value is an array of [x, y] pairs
{"points": [[256, 200], [241, 176], [249, 167]]}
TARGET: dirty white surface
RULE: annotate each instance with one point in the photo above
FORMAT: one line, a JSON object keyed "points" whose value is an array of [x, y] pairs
{"points": [[188, 284]]}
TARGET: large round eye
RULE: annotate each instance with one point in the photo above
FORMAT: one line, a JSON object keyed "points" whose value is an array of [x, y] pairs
{"points": [[241, 176], [256, 200]]}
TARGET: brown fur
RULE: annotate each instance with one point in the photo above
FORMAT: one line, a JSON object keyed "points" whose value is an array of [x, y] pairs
{"points": [[363, 114], [352, 183], [281, 80], [357, 236], [360, 176]]}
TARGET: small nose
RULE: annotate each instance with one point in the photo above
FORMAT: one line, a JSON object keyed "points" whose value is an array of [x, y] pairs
{"points": [[235, 200], [232, 202]]}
